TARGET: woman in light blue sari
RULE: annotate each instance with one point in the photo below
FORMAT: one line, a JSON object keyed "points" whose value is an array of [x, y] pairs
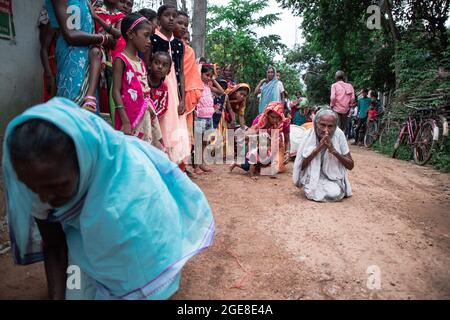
{"points": [[74, 20], [271, 89], [130, 218]]}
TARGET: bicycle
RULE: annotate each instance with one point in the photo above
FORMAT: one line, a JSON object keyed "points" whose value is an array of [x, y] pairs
{"points": [[389, 130], [422, 134], [372, 131]]}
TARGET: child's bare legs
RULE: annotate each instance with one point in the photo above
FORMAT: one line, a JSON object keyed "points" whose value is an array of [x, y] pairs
{"points": [[202, 166], [252, 172], [95, 59], [250, 168]]}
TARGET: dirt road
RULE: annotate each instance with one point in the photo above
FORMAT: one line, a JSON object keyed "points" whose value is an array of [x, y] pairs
{"points": [[272, 243]]}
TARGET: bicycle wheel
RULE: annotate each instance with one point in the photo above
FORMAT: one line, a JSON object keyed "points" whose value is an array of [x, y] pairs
{"points": [[423, 147], [399, 141], [371, 134], [388, 135]]}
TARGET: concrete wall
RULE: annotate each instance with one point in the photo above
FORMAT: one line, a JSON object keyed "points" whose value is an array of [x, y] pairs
{"points": [[21, 83]]}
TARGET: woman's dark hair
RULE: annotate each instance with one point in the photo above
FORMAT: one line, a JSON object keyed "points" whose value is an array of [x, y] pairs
{"points": [[244, 89], [202, 59], [374, 94], [207, 68], [182, 13], [162, 53], [228, 66], [128, 21], [163, 8], [38, 140], [223, 83], [148, 13]]}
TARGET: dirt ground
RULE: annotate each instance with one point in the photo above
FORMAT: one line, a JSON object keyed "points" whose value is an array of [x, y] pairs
{"points": [[272, 243]]}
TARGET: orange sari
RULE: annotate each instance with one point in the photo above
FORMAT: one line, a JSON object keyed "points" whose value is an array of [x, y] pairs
{"points": [[193, 87], [225, 120], [262, 122]]}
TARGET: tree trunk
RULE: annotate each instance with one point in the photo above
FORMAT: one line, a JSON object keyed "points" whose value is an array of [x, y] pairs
{"points": [[392, 27], [172, 2], [391, 23], [184, 6], [199, 27]]}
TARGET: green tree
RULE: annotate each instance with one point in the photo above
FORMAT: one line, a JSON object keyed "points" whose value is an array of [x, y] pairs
{"points": [[231, 39], [290, 78]]}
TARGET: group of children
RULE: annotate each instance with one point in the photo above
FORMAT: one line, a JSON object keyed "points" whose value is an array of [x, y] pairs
{"points": [[146, 76], [367, 110]]}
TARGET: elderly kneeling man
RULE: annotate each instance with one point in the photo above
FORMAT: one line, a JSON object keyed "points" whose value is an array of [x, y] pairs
{"points": [[323, 159]]}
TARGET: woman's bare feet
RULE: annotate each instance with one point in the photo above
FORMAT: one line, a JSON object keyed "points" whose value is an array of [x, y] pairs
{"points": [[197, 170], [234, 165]]}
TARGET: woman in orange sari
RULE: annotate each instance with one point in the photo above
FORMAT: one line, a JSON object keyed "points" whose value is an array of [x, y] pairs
{"points": [[271, 119], [233, 113], [235, 104], [193, 82]]}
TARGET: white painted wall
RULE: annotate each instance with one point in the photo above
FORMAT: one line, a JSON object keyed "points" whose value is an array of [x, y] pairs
{"points": [[21, 83]]}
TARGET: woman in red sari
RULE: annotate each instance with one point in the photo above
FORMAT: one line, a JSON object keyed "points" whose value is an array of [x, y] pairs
{"points": [[264, 125]]}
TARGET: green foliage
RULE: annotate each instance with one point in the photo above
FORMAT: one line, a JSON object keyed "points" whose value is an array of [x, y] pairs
{"points": [[371, 58], [403, 57], [290, 78], [441, 158], [418, 70], [231, 40]]}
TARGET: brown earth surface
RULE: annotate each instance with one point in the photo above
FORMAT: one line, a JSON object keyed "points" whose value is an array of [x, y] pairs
{"points": [[272, 243]]}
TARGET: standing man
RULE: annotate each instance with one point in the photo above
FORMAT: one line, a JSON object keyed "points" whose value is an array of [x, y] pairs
{"points": [[342, 98], [363, 107]]}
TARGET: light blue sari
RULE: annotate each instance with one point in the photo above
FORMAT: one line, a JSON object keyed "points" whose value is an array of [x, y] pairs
{"points": [[270, 92], [72, 63], [135, 220]]}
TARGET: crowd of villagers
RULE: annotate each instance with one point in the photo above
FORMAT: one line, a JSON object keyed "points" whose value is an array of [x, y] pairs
{"points": [[88, 192]]}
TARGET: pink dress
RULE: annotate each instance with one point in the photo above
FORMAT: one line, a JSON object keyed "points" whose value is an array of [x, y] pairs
{"points": [[174, 127], [139, 108]]}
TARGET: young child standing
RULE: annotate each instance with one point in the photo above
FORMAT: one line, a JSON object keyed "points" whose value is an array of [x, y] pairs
{"points": [[47, 39], [126, 6], [131, 91], [159, 68], [107, 19], [153, 18], [173, 123], [205, 111], [372, 114], [219, 103]]}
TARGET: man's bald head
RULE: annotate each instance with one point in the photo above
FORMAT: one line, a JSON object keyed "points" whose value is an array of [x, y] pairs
{"points": [[340, 75]]}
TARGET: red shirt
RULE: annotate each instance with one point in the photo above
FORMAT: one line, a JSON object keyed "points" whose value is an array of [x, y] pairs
{"points": [[110, 18], [160, 98], [372, 114]]}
